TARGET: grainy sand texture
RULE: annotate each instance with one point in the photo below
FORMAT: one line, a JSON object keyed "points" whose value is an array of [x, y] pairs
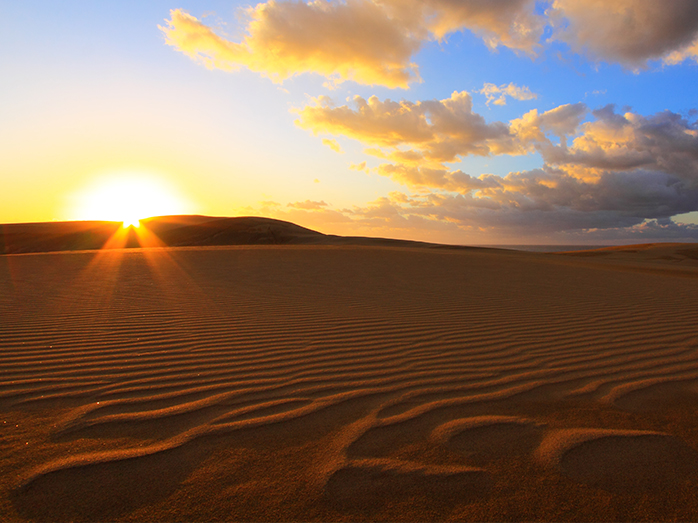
{"points": [[349, 383]]}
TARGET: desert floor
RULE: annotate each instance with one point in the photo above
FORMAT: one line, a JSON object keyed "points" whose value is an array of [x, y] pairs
{"points": [[349, 383]]}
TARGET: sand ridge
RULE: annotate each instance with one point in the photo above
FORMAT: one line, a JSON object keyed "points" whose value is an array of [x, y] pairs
{"points": [[345, 383]]}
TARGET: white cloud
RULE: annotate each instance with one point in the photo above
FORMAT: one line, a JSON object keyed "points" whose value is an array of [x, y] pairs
{"points": [[498, 94]]}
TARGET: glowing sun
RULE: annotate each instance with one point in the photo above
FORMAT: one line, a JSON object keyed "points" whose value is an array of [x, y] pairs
{"points": [[127, 199]]}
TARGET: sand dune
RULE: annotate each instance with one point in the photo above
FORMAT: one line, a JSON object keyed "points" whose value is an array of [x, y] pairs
{"points": [[331, 382], [170, 231]]}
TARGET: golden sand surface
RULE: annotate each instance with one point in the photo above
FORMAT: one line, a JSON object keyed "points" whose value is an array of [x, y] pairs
{"points": [[349, 383]]}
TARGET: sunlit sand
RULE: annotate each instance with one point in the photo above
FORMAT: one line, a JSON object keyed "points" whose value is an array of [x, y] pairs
{"points": [[348, 382]]}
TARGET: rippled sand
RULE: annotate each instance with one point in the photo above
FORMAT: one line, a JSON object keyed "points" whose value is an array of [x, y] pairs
{"points": [[349, 383]]}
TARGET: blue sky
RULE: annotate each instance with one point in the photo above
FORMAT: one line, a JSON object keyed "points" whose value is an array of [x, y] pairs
{"points": [[190, 96]]}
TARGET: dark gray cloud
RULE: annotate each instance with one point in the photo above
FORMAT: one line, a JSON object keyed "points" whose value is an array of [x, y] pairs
{"points": [[630, 32]]}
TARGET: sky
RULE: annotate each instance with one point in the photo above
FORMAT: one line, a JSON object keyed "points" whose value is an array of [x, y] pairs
{"points": [[455, 121]]}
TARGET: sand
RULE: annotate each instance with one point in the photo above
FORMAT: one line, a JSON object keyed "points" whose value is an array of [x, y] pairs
{"points": [[345, 383]]}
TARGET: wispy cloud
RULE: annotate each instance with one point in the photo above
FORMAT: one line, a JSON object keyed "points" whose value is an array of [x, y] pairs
{"points": [[332, 144], [359, 167], [308, 205], [498, 94]]}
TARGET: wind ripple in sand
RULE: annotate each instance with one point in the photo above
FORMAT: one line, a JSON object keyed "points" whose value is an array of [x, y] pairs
{"points": [[619, 460], [442, 367], [364, 483]]}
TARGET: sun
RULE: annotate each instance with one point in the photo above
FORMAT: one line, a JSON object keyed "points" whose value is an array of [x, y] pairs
{"points": [[127, 198]]}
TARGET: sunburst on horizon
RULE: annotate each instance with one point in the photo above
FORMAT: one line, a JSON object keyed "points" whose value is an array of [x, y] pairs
{"points": [[127, 198]]}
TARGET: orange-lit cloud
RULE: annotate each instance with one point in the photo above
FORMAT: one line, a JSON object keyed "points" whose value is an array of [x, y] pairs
{"points": [[545, 205], [630, 32], [437, 178], [332, 144], [601, 171], [508, 23], [433, 131], [680, 55], [420, 137], [531, 129], [308, 205], [613, 172], [368, 41], [359, 167], [355, 40], [373, 42]]}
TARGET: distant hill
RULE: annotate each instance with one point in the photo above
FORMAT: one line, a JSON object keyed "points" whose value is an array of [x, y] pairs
{"points": [[171, 231]]}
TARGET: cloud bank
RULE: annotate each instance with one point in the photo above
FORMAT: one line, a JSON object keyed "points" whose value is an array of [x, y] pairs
{"points": [[609, 172], [603, 172], [372, 42]]}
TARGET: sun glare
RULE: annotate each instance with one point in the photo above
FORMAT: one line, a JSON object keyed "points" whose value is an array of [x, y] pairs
{"points": [[127, 199]]}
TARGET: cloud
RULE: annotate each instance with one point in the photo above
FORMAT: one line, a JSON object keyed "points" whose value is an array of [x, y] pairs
{"points": [[648, 230], [486, 221], [498, 94], [359, 167], [436, 178], [428, 132], [510, 23], [532, 128], [419, 138], [630, 32], [370, 42], [332, 144], [619, 171], [663, 142], [373, 42], [463, 219], [352, 40], [602, 170], [683, 54], [308, 205]]}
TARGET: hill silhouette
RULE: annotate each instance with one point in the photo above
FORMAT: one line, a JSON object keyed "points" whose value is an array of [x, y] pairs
{"points": [[171, 231]]}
